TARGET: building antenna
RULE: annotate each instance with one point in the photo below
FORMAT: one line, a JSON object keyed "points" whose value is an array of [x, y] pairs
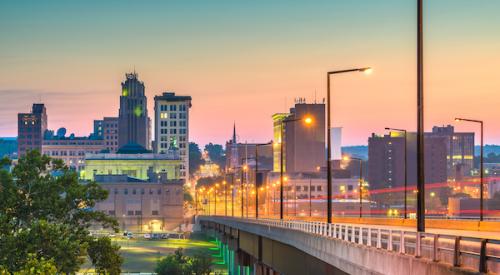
{"points": [[315, 96]]}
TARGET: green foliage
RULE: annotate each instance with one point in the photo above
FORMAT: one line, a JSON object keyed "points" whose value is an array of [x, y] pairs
{"points": [[179, 264], [194, 157], [45, 213], [104, 256], [201, 264], [38, 266], [187, 194], [216, 153]]}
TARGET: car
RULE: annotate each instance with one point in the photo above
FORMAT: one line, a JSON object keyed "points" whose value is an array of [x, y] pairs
{"points": [[111, 235], [147, 236], [130, 235]]}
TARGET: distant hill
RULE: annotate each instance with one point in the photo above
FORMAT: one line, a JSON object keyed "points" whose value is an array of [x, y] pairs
{"points": [[8, 146], [360, 151], [489, 148]]}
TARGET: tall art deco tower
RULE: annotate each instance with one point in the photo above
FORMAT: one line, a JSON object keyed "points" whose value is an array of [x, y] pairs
{"points": [[133, 121]]}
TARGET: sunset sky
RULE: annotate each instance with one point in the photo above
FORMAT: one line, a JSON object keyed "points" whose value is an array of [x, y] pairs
{"points": [[243, 61]]}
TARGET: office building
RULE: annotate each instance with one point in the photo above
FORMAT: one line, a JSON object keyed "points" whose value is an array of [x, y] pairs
{"points": [[133, 121], [460, 150], [107, 130], [71, 149], [110, 133], [304, 144], [98, 129], [386, 160], [31, 128], [142, 205], [336, 143], [172, 127], [241, 153], [134, 161]]}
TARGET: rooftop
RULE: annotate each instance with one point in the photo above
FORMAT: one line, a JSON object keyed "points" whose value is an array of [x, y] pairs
{"points": [[132, 148], [172, 97]]}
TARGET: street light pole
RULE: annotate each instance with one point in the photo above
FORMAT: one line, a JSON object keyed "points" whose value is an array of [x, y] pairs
{"points": [[307, 120], [256, 173], [225, 195], [406, 167], [481, 173], [420, 121], [360, 188], [241, 190], [329, 141], [281, 169]]}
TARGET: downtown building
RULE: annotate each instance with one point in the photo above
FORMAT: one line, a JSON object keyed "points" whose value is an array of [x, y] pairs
{"points": [[251, 156], [172, 128], [386, 160], [70, 149], [460, 150], [134, 125], [133, 161], [31, 128], [107, 130], [303, 144], [151, 205], [448, 156]]}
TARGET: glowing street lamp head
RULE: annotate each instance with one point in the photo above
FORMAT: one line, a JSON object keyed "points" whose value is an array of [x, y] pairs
{"points": [[367, 70], [245, 167], [346, 158], [308, 120], [457, 119]]}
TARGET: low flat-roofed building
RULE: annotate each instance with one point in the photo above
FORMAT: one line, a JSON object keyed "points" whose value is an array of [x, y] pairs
{"points": [[71, 149], [134, 161], [142, 206]]}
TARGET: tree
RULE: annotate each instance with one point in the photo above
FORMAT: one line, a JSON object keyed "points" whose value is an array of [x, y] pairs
{"points": [[194, 157], [201, 264], [104, 256], [216, 153], [46, 213], [187, 194], [174, 264], [179, 264]]}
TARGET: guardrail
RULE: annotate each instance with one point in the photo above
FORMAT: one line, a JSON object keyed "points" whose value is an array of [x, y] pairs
{"points": [[478, 254]]}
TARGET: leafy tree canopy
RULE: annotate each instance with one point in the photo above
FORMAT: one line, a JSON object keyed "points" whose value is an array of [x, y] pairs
{"points": [[216, 153], [194, 157], [45, 216], [179, 264]]}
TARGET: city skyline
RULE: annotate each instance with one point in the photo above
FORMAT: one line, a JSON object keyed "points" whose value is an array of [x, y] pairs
{"points": [[245, 71]]}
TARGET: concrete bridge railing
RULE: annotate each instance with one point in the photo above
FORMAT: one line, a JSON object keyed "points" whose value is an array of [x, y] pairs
{"points": [[475, 254]]}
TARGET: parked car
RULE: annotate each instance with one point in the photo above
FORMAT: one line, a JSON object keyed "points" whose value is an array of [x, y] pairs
{"points": [[147, 236]]}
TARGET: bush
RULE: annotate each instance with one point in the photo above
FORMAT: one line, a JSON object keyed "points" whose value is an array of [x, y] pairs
{"points": [[179, 264]]}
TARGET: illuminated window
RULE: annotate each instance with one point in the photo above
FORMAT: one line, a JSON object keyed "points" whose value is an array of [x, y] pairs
{"points": [[163, 115]]}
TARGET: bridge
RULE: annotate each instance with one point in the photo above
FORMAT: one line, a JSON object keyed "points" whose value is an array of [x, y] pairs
{"points": [[272, 246]]}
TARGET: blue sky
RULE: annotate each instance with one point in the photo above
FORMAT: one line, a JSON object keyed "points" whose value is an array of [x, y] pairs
{"points": [[245, 60]]}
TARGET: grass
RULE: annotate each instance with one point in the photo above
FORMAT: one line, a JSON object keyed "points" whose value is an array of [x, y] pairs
{"points": [[141, 255]]}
